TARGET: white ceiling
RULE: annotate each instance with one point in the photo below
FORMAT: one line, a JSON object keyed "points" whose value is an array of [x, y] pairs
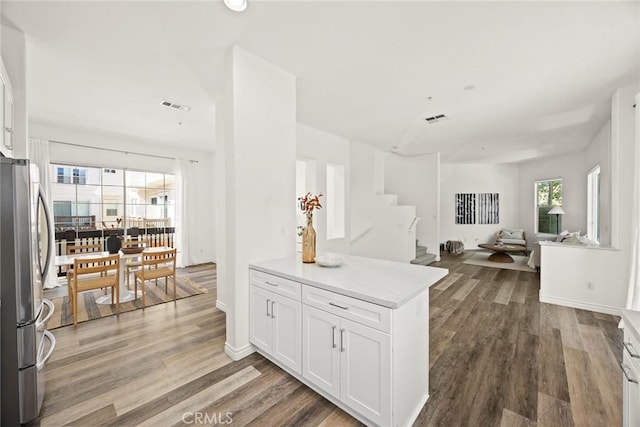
{"points": [[543, 72]]}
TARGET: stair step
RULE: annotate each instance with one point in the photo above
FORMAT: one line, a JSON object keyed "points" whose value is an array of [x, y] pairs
{"points": [[424, 259], [387, 199], [420, 250]]}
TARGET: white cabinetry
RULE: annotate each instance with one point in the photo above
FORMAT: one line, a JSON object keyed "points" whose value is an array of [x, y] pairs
{"points": [[6, 114], [320, 342], [350, 361], [631, 370], [275, 325], [363, 344], [8, 119]]}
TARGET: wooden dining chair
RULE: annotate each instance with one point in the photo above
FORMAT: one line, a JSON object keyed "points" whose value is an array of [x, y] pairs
{"points": [[81, 249], [132, 264], [155, 265], [93, 273]]}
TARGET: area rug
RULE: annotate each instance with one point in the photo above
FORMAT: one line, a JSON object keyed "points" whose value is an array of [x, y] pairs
{"points": [[89, 310], [519, 264]]}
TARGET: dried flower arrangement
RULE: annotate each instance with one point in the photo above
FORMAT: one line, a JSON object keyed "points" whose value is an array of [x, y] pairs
{"points": [[308, 203], [118, 221]]}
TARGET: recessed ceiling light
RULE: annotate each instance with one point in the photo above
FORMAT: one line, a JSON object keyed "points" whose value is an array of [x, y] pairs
{"points": [[469, 87], [236, 5]]}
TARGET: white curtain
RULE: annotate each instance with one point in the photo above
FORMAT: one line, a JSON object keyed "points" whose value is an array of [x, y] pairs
{"points": [[633, 298], [39, 155], [185, 203]]}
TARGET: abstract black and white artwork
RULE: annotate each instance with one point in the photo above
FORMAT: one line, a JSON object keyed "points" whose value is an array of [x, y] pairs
{"points": [[465, 208], [488, 208], [481, 208]]}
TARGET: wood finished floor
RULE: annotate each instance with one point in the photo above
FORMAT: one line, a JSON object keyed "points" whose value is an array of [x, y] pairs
{"points": [[497, 358]]}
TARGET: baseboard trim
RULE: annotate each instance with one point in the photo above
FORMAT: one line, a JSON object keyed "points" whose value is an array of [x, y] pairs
{"points": [[238, 353], [581, 305], [221, 306]]}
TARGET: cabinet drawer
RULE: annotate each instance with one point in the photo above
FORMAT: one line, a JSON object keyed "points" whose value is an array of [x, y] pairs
{"points": [[632, 349], [275, 284], [365, 313]]}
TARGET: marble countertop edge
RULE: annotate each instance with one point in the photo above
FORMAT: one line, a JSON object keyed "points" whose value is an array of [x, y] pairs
{"points": [[377, 291]]}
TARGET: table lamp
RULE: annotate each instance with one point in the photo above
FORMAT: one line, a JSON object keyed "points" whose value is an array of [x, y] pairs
{"points": [[557, 210]]}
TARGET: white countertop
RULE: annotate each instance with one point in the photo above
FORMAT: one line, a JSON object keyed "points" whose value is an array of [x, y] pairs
{"points": [[386, 283], [575, 245], [631, 320]]}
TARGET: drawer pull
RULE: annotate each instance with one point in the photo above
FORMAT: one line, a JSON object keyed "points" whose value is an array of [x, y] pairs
{"points": [[273, 312], [624, 371], [339, 306], [632, 351], [333, 337], [342, 341], [268, 301], [271, 284]]}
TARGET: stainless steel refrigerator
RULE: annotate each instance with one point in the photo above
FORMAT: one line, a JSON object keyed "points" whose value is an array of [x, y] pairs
{"points": [[24, 260]]}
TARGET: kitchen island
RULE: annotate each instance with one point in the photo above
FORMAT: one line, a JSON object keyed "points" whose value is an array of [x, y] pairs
{"points": [[357, 334]]}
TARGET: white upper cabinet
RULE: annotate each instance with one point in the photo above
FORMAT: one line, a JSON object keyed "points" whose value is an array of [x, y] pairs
{"points": [[6, 114]]}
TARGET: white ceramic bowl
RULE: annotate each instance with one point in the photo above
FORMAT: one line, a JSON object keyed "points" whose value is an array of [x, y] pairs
{"points": [[329, 260]]}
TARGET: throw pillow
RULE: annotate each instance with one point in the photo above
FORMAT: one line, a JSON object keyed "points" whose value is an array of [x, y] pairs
{"points": [[512, 234], [572, 240]]}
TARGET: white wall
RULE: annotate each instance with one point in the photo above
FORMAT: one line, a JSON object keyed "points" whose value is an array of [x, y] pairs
{"points": [[586, 278], [366, 180], [623, 146], [466, 178], [599, 153], [416, 182], [259, 183], [202, 247], [220, 208], [323, 147], [565, 271], [570, 167]]}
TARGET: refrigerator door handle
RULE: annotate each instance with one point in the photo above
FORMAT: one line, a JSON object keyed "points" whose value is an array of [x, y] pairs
{"points": [[45, 209], [51, 308], [52, 342]]}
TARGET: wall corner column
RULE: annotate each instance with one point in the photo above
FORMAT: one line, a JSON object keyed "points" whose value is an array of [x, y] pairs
{"points": [[257, 157]]}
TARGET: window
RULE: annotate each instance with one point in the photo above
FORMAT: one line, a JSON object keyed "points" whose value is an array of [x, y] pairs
{"points": [[593, 204], [548, 194], [70, 175], [112, 211], [86, 198]]}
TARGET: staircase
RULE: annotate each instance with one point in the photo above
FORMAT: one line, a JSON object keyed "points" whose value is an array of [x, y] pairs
{"points": [[422, 257], [390, 233]]}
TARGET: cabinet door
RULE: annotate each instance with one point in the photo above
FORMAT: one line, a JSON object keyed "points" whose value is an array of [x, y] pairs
{"points": [[286, 321], [631, 393], [366, 371], [8, 119], [320, 343], [260, 318]]}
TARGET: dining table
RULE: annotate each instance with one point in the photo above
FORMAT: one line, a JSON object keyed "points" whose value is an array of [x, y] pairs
{"points": [[125, 294]]}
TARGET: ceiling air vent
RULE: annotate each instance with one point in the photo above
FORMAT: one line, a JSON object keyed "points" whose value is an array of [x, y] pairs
{"points": [[436, 119], [174, 105]]}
